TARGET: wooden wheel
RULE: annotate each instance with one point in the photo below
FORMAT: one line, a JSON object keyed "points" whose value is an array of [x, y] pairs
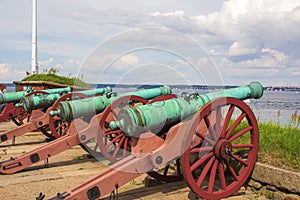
{"points": [[58, 127], [22, 115], [220, 158], [112, 144]]}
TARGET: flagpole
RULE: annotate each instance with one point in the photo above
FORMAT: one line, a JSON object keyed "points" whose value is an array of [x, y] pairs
{"points": [[34, 64]]}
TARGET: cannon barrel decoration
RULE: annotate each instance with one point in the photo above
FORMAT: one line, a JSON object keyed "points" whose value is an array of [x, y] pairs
{"points": [[68, 111], [45, 101], [136, 120]]}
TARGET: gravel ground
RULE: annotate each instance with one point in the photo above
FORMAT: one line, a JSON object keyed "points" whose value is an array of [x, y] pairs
{"points": [[72, 167]]}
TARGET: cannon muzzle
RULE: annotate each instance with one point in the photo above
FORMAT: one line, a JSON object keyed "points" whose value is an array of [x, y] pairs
{"points": [[68, 111], [136, 120]]}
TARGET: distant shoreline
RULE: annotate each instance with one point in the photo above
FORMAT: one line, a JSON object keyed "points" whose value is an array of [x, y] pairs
{"points": [[11, 87]]}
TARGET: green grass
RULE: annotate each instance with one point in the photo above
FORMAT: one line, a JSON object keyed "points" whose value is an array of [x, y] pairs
{"points": [[278, 145], [57, 79]]}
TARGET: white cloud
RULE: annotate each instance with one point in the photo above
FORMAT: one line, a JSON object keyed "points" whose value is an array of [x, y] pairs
{"points": [[46, 62], [130, 59], [238, 49], [9, 74], [242, 36], [277, 55], [177, 13], [267, 59]]}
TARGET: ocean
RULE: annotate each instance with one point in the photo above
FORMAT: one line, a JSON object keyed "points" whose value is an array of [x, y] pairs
{"points": [[276, 106]]}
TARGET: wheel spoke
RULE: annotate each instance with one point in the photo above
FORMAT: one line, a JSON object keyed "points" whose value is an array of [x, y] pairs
{"points": [[222, 176], [218, 121], [60, 125], [212, 176], [239, 159], [118, 146], [117, 132], [235, 124], [231, 170], [227, 120], [113, 141], [209, 127], [205, 171], [201, 149], [200, 161], [240, 133], [205, 138], [63, 132]]}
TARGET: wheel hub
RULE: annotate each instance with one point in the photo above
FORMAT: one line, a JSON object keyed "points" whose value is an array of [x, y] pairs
{"points": [[222, 149]]}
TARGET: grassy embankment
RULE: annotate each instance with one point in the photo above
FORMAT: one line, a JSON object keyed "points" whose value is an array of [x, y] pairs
{"points": [[279, 145], [57, 79]]}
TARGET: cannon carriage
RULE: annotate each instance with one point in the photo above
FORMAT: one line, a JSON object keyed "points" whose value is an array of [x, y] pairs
{"points": [[37, 105], [211, 139], [13, 109], [71, 120]]}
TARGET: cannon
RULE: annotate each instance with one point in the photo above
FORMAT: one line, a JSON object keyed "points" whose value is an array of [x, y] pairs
{"points": [[15, 113], [213, 136], [10, 111], [42, 101], [39, 119], [45, 101], [70, 137]]}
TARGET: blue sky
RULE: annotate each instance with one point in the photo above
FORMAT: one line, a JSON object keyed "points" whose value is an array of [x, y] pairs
{"points": [[194, 42]]}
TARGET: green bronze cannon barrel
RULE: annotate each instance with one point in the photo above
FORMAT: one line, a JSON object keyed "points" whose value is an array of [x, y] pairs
{"points": [[13, 96], [68, 111], [58, 90], [47, 100], [136, 120]]}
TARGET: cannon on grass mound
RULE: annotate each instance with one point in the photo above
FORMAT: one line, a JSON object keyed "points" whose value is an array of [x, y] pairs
{"points": [[72, 117], [213, 136]]}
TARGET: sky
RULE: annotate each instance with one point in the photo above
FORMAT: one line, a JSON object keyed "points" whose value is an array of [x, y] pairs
{"points": [[230, 42]]}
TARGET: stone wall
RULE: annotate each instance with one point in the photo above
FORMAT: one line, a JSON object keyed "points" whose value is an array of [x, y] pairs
{"points": [[275, 183]]}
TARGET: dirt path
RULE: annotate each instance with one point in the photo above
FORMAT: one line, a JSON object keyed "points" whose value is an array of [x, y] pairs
{"points": [[71, 167]]}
